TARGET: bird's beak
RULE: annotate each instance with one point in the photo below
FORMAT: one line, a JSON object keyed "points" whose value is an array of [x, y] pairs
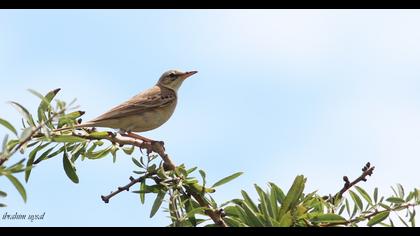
{"points": [[188, 74]]}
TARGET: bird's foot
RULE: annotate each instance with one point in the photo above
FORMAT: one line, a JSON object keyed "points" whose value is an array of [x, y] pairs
{"points": [[150, 142], [136, 136]]}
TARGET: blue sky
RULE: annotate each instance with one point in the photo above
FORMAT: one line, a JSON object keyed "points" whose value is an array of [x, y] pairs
{"points": [[278, 93]]}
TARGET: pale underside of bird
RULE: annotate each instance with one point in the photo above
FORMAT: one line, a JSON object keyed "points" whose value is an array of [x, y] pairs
{"points": [[146, 111]]}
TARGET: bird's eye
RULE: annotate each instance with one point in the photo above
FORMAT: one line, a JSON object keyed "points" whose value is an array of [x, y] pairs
{"points": [[172, 76]]}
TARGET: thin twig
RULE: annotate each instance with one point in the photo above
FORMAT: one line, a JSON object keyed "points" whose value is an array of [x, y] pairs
{"points": [[29, 138], [362, 218], [367, 170], [133, 181], [157, 147]]}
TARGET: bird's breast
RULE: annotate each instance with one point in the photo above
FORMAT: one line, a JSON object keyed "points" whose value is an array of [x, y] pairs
{"points": [[153, 118]]}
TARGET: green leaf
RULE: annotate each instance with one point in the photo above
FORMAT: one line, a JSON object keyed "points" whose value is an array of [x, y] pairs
{"points": [[249, 201], [99, 134], [50, 95], [113, 151], [341, 210], [142, 188], [4, 144], [231, 222], [199, 210], [278, 192], [18, 186], [251, 216], [286, 220], [210, 226], [293, 195], [99, 143], [41, 107], [328, 218], [3, 194], [158, 201], [391, 223], [400, 190], [26, 133], [129, 150], [69, 169], [202, 173], [382, 199], [24, 112], [77, 151], [413, 218], [393, 190], [6, 124], [68, 139], [181, 170], [384, 206], [162, 174], [17, 166], [45, 103], [409, 197], [203, 176], [395, 200], [378, 218], [240, 213], [364, 194], [227, 179], [69, 118], [12, 144], [43, 155], [33, 143], [188, 207], [273, 204], [213, 203], [190, 180], [151, 168], [136, 162], [402, 221], [199, 188], [31, 159], [347, 207], [375, 195], [231, 211], [98, 154], [356, 199], [264, 205], [354, 211], [150, 189], [189, 171]]}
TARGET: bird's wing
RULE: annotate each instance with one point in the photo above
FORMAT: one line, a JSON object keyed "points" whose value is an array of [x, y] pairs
{"points": [[150, 99]]}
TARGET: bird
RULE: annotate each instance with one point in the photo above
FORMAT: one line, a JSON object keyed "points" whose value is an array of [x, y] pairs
{"points": [[145, 111]]}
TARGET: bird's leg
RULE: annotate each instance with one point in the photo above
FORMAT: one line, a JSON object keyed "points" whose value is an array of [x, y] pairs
{"points": [[133, 135], [144, 139]]}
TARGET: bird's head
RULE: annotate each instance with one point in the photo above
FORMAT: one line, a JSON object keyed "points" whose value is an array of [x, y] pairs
{"points": [[173, 79]]}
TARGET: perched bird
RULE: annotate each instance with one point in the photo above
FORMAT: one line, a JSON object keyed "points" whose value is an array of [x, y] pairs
{"points": [[147, 110]]}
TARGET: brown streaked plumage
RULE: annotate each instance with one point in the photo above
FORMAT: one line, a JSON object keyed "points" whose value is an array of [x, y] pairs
{"points": [[145, 111]]}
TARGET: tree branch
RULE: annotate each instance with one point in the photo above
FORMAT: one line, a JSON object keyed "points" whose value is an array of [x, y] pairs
{"points": [[367, 170], [133, 181], [157, 147]]}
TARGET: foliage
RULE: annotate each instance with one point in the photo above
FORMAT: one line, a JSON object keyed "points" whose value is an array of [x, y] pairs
{"points": [[184, 192], [296, 209]]}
